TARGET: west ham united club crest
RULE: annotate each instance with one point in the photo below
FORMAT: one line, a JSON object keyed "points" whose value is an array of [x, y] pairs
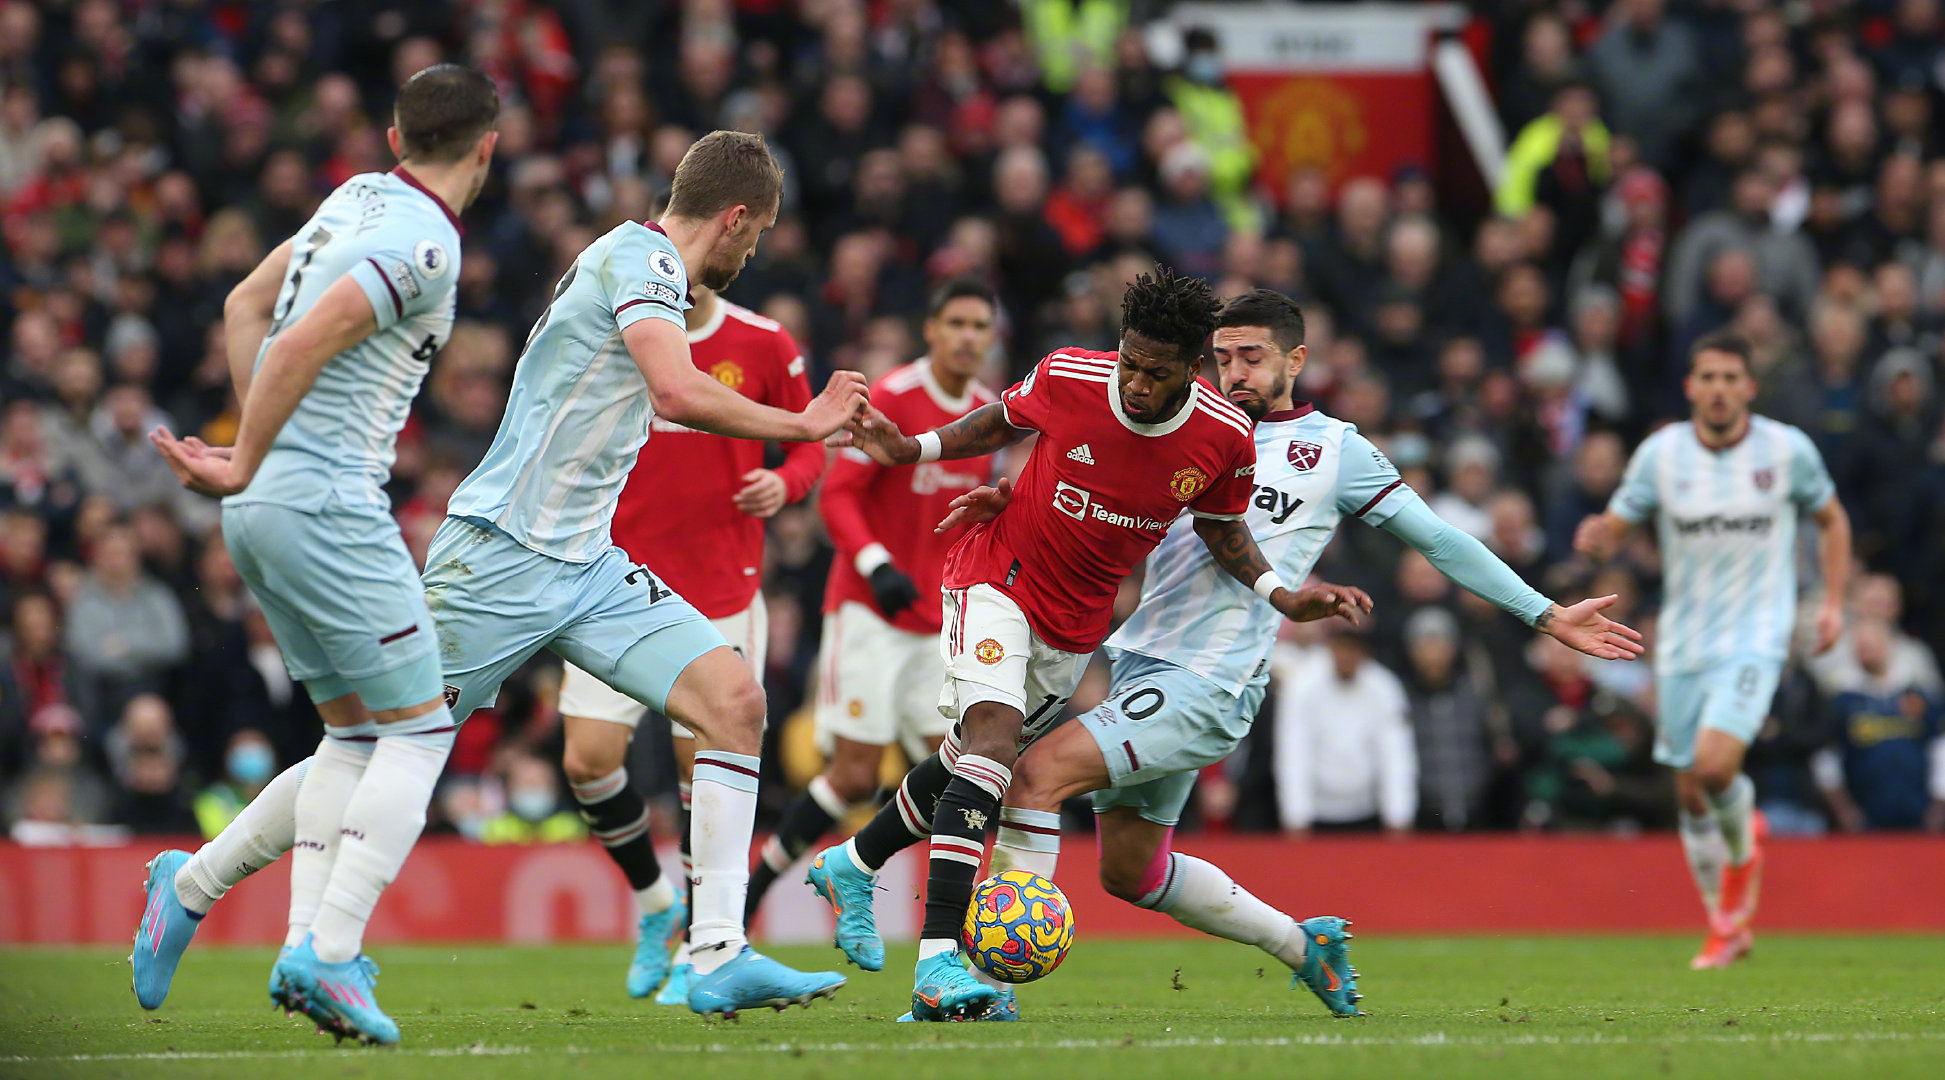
{"points": [[1764, 478], [1304, 456]]}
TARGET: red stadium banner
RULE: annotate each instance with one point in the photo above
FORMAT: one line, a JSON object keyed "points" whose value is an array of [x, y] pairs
{"points": [[457, 891], [1346, 88]]}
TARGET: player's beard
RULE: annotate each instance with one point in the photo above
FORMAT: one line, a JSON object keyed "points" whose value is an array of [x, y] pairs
{"points": [[717, 278], [1256, 405]]}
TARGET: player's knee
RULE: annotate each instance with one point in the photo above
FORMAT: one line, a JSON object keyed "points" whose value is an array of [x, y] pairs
{"points": [[743, 704], [854, 780], [1034, 786], [586, 764], [1715, 775]]}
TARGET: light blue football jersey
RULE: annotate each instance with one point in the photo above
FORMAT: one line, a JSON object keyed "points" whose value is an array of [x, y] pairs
{"points": [[1727, 524], [400, 243], [1312, 471], [580, 410]]}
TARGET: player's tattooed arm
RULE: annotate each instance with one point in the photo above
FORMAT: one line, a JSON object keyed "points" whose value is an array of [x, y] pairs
{"points": [[1234, 549], [979, 432]]}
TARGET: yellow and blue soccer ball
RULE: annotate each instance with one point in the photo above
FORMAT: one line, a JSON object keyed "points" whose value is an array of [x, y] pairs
{"points": [[1018, 927]]}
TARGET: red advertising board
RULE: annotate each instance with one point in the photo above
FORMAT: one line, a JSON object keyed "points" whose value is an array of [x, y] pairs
{"points": [[456, 891]]}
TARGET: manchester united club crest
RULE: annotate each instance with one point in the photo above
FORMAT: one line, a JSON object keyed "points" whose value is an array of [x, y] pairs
{"points": [[1188, 483], [729, 373], [1304, 456], [989, 651], [1765, 478]]}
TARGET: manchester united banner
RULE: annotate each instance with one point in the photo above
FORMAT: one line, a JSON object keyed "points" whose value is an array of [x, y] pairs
{"points": [[1347, 89]]}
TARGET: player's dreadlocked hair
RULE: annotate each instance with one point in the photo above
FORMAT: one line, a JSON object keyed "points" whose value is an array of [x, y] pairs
{"points": [[1179, 311]]}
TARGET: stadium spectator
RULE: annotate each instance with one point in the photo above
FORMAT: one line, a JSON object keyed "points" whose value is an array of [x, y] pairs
{"points": [[146, 754], [534, 812], [123, 628], [247, 767], [1886, 768], [1344, 753]]}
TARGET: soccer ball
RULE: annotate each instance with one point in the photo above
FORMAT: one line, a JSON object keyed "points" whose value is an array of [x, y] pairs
{"points": [[1018, 927]]}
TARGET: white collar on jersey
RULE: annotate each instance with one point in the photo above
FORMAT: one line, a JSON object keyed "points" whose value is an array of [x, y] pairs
{"points": [[937, 393], [714, 324], [1166, 427]]}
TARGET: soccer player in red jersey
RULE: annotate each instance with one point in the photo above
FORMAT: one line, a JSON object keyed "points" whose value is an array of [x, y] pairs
{"points": [[1127, 441], [879, 667], [695, 506]]}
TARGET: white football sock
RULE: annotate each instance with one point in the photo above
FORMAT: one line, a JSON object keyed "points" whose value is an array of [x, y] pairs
{"points": [[1028, 840], [380, 825], [722, 814], [1201, 897], [259, 835], [317, 818], [657, 897], [1734, 815], [1702, 842]]}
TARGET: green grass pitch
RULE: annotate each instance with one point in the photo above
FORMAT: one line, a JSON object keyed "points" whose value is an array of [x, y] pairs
{"points": [[1581, 1007]]}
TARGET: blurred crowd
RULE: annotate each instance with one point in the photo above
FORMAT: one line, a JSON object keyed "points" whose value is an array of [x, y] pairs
{"points": [[1674, 168]]}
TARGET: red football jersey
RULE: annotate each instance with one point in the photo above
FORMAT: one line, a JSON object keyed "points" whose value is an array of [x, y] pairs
{"points": [[865, 503], [677, 513], [1099, 492]]}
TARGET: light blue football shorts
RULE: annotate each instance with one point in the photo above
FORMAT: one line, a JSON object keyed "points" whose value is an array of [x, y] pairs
{"points": [[1732, 696], [1159, 726], [342, 596], [496, 602]]}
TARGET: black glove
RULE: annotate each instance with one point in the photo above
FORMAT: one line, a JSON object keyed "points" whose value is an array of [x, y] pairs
{"points": [[892, 589]]}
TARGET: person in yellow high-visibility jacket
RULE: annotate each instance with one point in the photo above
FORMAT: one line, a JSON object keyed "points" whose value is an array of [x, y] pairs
{"points": [[1570, 125], [1212, 115], [1068, 35]]}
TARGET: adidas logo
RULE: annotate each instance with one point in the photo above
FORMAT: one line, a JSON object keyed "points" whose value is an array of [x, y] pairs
{"points": [[1081, 454]]}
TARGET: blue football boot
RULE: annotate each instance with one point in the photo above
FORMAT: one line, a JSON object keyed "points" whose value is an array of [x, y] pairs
{"points": [[676, 990], [1005, 1010], [848, 890], [345, 993], [751, 980], [655, 939], [1327, 969], [164, 932], [943, 990]]}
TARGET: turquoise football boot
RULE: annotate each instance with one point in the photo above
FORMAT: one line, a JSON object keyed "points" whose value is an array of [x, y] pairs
{"points": [[751, 980], [676, 990], [848, 890], [344, 992], [1327, 969], [1005, 1010], [164, 932], [943, 990], [655, 939]]}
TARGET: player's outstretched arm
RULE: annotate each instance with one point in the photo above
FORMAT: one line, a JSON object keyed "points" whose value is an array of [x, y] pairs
{"points": [[693, 399], [1833, 556], [1234, 549], [341, 318], [1473, 567], [247, 314], [979, 432]]}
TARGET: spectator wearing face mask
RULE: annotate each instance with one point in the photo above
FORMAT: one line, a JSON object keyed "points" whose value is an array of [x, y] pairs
{"points": [[247, 767], [534, 813]]}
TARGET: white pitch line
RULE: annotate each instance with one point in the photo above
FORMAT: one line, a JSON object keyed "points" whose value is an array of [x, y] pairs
{"points": [[1432, 1040]]}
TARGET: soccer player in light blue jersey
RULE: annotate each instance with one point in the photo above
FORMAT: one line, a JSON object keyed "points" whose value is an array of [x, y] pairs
{"points": [[329, 339], [1726, 489], [1190, 666], [524, 560]]}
